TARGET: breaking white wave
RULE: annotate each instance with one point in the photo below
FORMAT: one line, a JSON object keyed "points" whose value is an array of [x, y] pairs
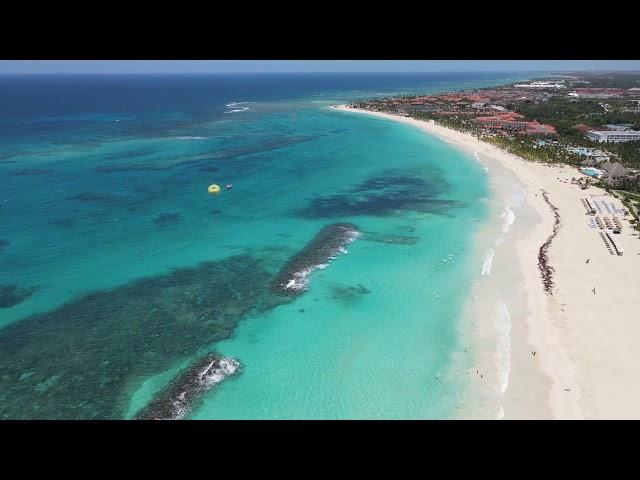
{"points": [[211, 375], [191, 138], [300, 279], [502, 325], [244, 109], [488, 262], [475, 155], [233, 104]]}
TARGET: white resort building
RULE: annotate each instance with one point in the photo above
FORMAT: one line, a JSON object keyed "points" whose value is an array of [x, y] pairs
{"points": [[613, 135]]}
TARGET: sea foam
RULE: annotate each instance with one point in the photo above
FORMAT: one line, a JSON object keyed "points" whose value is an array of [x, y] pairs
{"points": [[502, 325], [487, 263]]}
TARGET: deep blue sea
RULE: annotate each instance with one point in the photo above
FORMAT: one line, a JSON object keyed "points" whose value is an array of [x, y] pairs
{"points": [[118, 270]]}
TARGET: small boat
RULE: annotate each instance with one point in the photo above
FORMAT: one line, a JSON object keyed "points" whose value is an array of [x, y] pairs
{"points": [[229, 186]]}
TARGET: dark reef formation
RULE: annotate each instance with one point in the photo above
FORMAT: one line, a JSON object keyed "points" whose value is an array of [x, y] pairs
{"points": [[31, 171], [63, 222], [390, 239], [328, 243], [141, 167], [4, 244], [166, 219], [179, 397], [260, 147], [380, 196], [348, 294], [546, 270], [11, 295], [208, 169], [83, 359], [99, 198]]}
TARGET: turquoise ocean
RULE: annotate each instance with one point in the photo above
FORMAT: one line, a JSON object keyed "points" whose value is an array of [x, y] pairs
{"points": [[118, 270]]}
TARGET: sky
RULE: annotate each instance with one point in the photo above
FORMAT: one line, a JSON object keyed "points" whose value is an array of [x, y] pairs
{"points": [[281, 66]]}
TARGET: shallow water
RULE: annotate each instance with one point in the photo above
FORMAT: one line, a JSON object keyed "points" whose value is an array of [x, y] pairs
{"points": [[104, 197]]}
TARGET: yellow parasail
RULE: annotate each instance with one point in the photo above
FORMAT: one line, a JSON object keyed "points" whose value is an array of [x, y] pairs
{"points": [[213, 189]]}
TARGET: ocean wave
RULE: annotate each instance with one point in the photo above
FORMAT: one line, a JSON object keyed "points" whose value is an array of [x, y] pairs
{"points": [[327, 245], [243, 109], [502, 325], [233, 104], [484, 167], [488, 262], [509, 218], [191, 138]]}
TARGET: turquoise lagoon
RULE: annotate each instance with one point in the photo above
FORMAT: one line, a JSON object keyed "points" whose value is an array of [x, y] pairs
{"points": [[106, 222]]}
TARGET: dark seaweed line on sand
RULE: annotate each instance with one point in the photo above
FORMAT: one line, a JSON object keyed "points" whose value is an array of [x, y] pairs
{"points": [[546, 270]]}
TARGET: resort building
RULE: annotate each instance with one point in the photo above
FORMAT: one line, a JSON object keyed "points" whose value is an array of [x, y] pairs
{"points": [[512, 121], [541, 84], [600, 92], [613, 135]]}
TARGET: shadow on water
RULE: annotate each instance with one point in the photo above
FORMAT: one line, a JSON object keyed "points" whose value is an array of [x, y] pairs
{"points": [[83, 359], [381, 196]]}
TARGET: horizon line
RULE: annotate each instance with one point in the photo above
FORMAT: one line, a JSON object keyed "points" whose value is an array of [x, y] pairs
{"points": [[318, 72]]}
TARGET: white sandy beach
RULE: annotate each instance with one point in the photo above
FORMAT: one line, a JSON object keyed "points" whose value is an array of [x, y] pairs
{"points": [[586, 358]]}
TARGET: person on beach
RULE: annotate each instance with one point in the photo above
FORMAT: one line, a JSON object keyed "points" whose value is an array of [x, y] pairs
{"points": [[594, 290]]}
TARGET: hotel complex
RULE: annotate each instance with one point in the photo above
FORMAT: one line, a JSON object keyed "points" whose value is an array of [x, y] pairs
{"points": [[613, 135]]}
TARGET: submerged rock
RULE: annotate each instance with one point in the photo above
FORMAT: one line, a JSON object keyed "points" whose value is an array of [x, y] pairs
{"points": [[391, 239], [11, 295], [348, 293]]}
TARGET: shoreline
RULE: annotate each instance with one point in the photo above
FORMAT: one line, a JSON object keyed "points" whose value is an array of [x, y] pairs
{"points": [[564, 359]]}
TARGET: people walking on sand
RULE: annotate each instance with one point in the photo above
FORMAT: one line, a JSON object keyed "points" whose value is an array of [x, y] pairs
{"points": [[594, 290], [587, 260]]}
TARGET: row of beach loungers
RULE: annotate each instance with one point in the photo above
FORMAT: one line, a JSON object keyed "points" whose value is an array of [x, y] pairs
{"points": [[606, 243], [611, 244], [605, 223], [610, 207]]}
